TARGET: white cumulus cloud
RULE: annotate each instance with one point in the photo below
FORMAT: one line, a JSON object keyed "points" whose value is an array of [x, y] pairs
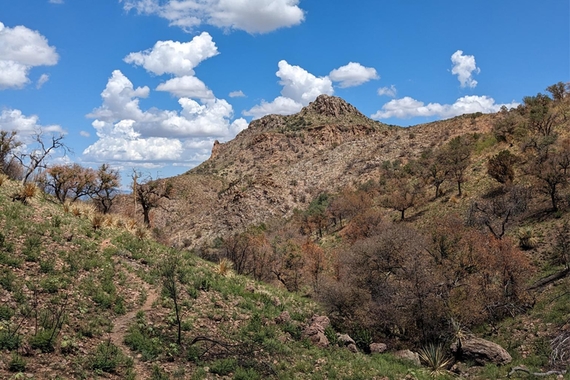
{"points": [[173, 57], [464, 66], [26, 126], [252, 16], [353, 74], [280, 106], [121, 143], [120, 100], [186, 86], [388, 91], [300, 85], [408, 107], [20, 50], [128, 134], [299, 89]]}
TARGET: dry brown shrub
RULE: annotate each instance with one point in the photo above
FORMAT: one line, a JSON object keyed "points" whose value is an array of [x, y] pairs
{"points": [[97, 221]]}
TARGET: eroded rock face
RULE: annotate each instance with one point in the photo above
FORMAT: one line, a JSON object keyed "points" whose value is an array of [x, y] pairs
{"points": [[481, 351], [315, 330]]}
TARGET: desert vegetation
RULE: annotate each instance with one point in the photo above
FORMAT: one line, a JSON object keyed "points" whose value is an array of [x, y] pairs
{"points": [[467, 235]]}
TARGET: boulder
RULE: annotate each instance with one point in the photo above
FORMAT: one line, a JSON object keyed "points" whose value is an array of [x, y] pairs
{"points": [[352, 348], [408, 355], [344, 340], [378, 348], [284, 317], [481, 351], [315, 330]]}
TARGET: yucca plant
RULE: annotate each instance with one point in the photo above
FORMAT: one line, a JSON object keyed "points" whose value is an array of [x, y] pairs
{"points": [[435, 358], [141, 233], [459, 332], [224, 267], [76, 210], [97, 221], [131, 225], [28, 191], [527, 238], [108, 221]]}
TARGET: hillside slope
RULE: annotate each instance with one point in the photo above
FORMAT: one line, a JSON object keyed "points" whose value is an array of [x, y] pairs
{"points": [[87, 296], [281, 163]]}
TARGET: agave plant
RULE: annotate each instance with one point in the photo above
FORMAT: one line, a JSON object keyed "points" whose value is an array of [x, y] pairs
{"points": [[435, 358]]}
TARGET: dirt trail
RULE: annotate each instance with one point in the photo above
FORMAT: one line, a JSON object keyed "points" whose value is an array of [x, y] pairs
{"points": [[122, 323]]}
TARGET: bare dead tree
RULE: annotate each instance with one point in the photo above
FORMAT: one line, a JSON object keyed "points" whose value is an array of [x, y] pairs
{"points": [[150, 193], [36, 158]]}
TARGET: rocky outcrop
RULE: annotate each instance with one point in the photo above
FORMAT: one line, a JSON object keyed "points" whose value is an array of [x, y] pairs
{"points": [[315, 330], [332, 106], [480, 351]]}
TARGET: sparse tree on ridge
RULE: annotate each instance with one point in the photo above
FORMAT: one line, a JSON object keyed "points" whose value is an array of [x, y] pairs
{"points": [[434, 172], [457, 156], [8, 146], [149, 194], [69, 182], [106, 188]]}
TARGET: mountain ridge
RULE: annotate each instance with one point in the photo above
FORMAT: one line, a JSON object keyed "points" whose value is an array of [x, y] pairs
{"points": [[280, 163]]}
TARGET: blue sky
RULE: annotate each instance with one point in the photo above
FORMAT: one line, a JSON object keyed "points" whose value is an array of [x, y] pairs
{"points": [[150, 84]]}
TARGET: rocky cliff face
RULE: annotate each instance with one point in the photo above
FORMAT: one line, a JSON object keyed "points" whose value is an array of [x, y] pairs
{"points": [[280, 163]]}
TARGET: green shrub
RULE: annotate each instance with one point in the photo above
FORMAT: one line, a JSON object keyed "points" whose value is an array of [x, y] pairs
{"points": [[7, 278], [6, 312], [47, 266], [17, 363], [52, 284], [32, 247], [140, 339], [362, 337], [246, 374], [158, 374], [108, 358], [293, 329], [223, 367], [331, 335], [9, 340], [43, 341]]}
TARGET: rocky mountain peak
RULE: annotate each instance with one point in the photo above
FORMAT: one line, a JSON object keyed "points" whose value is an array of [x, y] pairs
{"points": [[331, 106]]}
